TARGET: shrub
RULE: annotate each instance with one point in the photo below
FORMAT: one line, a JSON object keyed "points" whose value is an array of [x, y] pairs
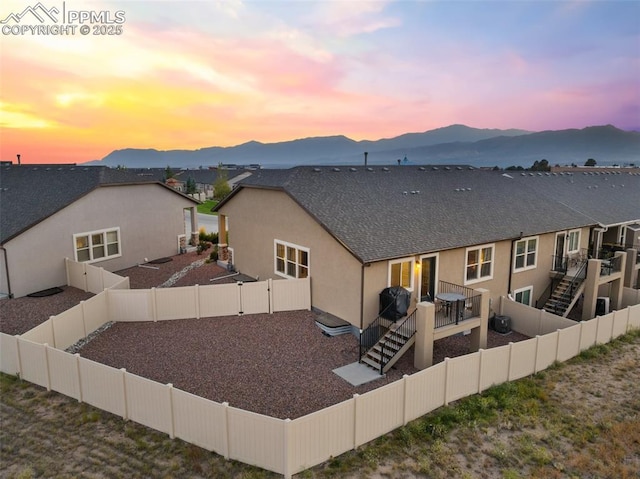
{"points": [[210, 237]]}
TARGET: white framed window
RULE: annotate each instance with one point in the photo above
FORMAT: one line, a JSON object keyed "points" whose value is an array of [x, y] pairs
{"points": [[523, 295], [401, 273], [290, 260], [573, 241], [97, 245], [479, 264], [525, 254]]}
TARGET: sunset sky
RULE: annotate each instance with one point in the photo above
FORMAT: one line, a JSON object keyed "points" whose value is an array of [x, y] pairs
{"points": [[193, 74]]}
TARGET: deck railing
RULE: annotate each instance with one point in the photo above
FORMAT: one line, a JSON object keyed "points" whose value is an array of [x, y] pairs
{"points": [[448, 313]]}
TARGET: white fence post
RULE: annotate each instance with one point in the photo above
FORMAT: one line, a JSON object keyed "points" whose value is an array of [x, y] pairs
{"points": [[172, 431], [355, 421], [510, 361], [53, 331], [405, 378], [270, 292], [46, 360], [535, 356], [84, 323], [125, 413], [18, 356], [225, 433], [101, 280], [84, 275], [480, 370], [285, 449], [66, 270], [446, 381], [77, 355]]}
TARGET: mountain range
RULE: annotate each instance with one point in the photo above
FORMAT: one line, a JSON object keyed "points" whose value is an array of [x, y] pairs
{"points": [[455, 144]]}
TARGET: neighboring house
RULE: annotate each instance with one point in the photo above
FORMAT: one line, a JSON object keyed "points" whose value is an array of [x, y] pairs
{"points": [[356, 230], [110, 218], [204, 177]]}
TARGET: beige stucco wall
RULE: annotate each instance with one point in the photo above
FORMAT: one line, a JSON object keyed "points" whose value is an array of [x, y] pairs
{"points": [[337, 276], [150, 218], [257, 217], [451, 268]]}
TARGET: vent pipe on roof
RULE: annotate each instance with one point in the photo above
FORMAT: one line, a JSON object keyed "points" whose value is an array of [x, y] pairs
{"points": [[18, 155], [365, 157]]}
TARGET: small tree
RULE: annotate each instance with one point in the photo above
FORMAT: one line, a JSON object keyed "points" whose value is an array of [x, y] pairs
{"points": [[168, 173], [590, 162], [542, 165], [221, 186], [191, 186]]}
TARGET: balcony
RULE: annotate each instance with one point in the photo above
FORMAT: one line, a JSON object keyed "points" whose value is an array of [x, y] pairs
{"points": [[455, 304]]}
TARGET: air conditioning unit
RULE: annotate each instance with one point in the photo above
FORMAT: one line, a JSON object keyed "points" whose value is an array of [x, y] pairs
{"points": [[602, 306], [501, 324]]}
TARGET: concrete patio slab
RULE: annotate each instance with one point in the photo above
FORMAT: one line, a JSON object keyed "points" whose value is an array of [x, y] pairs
{"points": [[357, 374]]}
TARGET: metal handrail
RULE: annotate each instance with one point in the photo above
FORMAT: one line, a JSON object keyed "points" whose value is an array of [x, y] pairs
{"points": [[575, 283], [463, 309], [407, 329], [613, 265], [371, 334]]}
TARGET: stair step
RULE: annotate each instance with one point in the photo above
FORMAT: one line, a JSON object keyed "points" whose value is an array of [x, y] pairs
{"points": [[398, 334], [376, 356], [371, 362], [388, 347], [393, 340]]}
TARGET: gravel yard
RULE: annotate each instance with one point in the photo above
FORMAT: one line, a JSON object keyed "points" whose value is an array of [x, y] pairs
{"points": [[279, 365]]}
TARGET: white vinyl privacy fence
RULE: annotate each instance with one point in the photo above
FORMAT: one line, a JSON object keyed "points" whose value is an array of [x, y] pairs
{"points": [[291, 446]]}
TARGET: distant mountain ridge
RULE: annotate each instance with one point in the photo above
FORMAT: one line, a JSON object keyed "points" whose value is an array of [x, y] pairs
{"points": [[455, 144]]}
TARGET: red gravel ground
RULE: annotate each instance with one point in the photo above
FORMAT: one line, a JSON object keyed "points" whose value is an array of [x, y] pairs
{"points": [[279, 365]]}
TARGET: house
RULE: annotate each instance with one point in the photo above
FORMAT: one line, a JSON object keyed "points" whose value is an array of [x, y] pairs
{"points": [[204, 178], [110, 218], [357, 230]]}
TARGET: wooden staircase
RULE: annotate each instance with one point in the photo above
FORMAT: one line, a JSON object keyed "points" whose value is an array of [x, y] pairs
{"points": [[566, 293], [391, 346]]}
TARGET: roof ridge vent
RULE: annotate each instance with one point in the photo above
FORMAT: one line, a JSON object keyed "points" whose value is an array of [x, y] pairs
{"points": [[317, 170], [335, 169], [385, 168], [421, 168], [352, 169], [370, 169]]}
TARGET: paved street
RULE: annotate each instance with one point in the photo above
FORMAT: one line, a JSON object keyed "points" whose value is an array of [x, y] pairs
{"points": [[210, 222]]}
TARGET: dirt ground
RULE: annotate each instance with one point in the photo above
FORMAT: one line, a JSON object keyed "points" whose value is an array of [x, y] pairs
{"points": [[583, 423]]}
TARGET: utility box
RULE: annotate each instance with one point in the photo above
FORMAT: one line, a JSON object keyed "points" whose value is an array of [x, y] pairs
{"points": [[602, 306]]}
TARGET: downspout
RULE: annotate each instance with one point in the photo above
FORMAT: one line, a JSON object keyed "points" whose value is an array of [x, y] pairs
{"points": [[6, 267], [513, 242], [597, 243], [362, 296]]}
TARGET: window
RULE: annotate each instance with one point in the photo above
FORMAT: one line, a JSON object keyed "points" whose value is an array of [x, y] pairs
{"points": [[479, 264], [573, 238], [400, 273], [525, 254], [523, 295], [97, 245], [291, 261]]}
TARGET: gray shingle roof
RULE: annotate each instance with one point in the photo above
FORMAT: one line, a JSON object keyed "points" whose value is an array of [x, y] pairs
{"points": [[380, 213], [29, 194]]}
